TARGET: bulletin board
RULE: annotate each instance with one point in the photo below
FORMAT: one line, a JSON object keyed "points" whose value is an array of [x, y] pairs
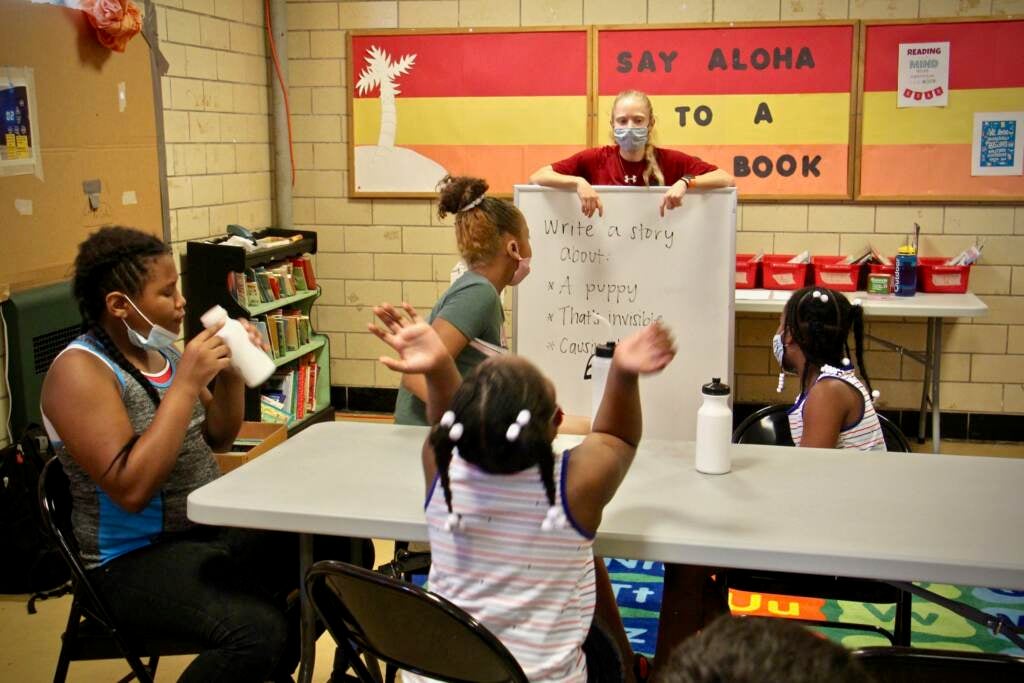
{"points": [[96, 121], [496, 104], [966, 146], [772, 104]]}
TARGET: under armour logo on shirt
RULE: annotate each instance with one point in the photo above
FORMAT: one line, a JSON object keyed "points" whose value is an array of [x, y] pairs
{"points": [[630, 179]]}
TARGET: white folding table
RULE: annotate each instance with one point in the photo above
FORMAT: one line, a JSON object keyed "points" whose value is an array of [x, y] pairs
{"points": [[900, 517], [934, 307]]}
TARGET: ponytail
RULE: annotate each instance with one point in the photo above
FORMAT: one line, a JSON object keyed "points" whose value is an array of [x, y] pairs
{"points": [[652, 169]]}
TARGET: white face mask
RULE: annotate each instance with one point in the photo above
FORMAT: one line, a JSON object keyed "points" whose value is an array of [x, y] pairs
{"points": [[158, 338], [522, 270]]}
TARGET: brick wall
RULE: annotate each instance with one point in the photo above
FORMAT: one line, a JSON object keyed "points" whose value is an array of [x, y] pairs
{"points": [[372, 250], [217, 126]]}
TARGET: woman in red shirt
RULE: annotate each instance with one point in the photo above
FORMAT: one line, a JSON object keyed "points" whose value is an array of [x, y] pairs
{"points": [[632, 160]]}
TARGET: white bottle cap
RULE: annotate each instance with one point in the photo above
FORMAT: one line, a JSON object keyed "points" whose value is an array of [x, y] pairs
{"points": [[215, 315]]}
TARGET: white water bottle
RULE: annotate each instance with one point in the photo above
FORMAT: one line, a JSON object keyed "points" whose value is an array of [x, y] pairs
{"points": [[596, 371], [714, 429], [250, 360]]}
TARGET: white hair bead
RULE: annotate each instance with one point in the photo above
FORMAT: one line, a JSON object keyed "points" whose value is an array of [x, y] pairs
{"points": [[857, 302], [875, 394], [452, 522], [554, 519], [824, 298], [846, 361], [516, 428], [816, 294], [782, 381], [455, 433], [448, 419]]}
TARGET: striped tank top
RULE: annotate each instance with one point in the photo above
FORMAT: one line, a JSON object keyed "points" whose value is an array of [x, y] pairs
{"points": [[102, 528], [864, 434], [533, 589]]}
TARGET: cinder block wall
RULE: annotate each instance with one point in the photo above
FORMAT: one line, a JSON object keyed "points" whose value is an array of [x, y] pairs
{"points": [[217, 131]]}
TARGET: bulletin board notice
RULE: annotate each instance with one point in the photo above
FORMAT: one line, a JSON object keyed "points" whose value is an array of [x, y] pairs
{"points": [[942, 107], [495, 103], [772, 104]]}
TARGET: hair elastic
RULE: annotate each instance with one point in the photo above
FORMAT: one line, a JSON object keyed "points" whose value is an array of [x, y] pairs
{"points": [[471, 205]]}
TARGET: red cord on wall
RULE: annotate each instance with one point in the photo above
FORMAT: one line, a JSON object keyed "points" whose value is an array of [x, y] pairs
{"points": [[284, 88]]}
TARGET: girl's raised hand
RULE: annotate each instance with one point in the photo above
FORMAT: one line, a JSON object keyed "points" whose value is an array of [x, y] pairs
{"points": [[646, 351], [419, 347]]}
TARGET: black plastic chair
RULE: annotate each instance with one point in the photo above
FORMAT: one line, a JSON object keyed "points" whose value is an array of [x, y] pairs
{"points": [[406, 627], [916, 665], [91, 633], [770, 426]]}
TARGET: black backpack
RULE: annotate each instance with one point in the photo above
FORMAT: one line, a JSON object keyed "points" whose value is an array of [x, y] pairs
{"points": [[32, 563]]}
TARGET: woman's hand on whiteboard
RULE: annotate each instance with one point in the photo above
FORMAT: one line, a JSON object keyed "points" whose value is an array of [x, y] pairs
{"points": [[419, 347], [673, 199], [590, 200], [646, 351]]}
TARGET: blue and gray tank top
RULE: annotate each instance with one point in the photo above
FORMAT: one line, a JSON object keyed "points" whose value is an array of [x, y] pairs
{"points": [[102, 528]]}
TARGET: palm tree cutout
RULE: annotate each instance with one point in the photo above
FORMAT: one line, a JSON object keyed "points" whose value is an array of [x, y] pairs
{"points": [[381, 71], [385, 167]]}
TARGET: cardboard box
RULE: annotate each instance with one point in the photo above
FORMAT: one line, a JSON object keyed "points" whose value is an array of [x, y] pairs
{"points": [[266, 436]]}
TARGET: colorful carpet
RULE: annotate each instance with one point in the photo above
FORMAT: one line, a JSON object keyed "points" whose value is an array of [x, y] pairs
{"points": [[638, 591]]}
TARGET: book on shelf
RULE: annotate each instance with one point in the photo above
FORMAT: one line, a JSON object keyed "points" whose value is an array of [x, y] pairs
{"points": [[287, 331], [273, 281], [290, 393]]}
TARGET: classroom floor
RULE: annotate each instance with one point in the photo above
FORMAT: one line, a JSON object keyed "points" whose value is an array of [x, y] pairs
{"points": [[30, 644]]}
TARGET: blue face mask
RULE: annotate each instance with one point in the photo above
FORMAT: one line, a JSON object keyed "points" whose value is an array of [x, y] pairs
{"points": [[631, 139], [158, 338]]}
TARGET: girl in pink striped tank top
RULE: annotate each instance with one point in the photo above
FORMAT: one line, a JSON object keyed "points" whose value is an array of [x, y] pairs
{"points": [[511, 523], [812, 343]]}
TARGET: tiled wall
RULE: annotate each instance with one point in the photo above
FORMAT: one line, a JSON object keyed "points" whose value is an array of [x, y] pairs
{"points": [[372, 250], [217, 124]]}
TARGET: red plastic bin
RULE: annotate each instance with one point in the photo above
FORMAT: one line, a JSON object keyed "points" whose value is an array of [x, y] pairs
{"points": [[829, 273], [936, 277], [748, 271], [778, 274]]}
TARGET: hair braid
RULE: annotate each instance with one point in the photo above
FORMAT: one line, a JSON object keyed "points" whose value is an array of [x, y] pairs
{"points": [[443, 456], [547, 475], [115, 353], [857, 313]]}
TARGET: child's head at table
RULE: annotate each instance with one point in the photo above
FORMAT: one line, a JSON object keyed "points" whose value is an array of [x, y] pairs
{"points": [[814, 331], [502, 420], [756, 649], [128, 274], [486, 227]]}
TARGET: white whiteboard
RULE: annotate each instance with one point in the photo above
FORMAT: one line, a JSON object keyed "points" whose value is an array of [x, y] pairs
{"points": [[631, 266]]}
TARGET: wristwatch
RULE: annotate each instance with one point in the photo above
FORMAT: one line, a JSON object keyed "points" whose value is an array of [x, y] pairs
{"points": [[688, 179]]}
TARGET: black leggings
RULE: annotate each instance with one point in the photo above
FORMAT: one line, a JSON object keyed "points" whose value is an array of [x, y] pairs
{"points": [[223, 589]]}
